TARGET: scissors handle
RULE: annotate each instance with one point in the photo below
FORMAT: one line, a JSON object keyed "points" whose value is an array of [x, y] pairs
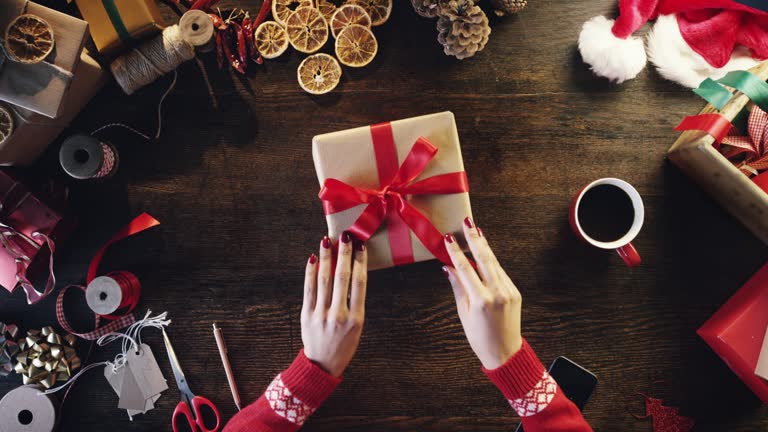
{"points": [[197, 403], [182, 410]]}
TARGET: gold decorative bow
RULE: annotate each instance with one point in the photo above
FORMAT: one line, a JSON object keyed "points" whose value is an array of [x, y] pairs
{"points": [[8, 348], [45, 357]]}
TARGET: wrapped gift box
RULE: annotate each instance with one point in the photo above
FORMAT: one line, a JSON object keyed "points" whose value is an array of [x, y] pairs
{"points": [[41, 87], [367, 158], [25, 212], [34, 132], [695, 154], [736, 331], [120, 24]]}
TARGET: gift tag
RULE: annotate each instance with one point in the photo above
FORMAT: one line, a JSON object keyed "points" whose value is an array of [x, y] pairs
{"points": [[131, 397], [115, 379], [762, 362], [146, 372]]}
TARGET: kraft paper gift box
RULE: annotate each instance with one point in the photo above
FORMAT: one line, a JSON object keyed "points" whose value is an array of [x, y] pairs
{"points": [[694, 152], [33, 132], [117, 25], [737, 330], [25, 212], [41, 87], [367, 157]]}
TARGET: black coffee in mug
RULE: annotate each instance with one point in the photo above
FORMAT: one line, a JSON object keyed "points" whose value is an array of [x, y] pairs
{"points": [[606, 213]]}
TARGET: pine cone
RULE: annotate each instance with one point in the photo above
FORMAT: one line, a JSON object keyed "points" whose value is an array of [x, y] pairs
{"points": [[426, 8], [508, 7], [462, 28]]}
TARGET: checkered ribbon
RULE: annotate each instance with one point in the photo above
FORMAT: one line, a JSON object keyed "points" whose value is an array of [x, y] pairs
{"points": [[749, 153], [96, 333]]}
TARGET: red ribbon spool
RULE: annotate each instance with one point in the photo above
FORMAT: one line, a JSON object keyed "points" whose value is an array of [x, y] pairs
{"points": [[114, 294]]}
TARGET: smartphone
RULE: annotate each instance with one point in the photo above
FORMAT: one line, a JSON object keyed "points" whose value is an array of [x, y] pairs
{"points": [[576, 382]]}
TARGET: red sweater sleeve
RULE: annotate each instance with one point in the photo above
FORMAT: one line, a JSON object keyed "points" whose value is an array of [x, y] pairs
{"points": [[289, 400], [535, 395]]}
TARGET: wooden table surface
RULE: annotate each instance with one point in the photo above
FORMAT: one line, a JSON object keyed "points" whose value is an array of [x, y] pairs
{"points": [[233, 183]]}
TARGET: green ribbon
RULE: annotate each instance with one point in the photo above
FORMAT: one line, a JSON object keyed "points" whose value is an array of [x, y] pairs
{"points": [[714, 93], [749, 84], [117, 21]]}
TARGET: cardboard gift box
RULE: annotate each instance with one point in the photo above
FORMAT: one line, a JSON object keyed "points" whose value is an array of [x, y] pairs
{"points": [[33, 132], [120, 24], [402, 184], [26, 255], [736, 331], [694, 152], [41, 87]]}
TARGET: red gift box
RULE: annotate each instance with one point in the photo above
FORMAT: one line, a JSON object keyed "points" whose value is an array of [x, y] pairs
{"points": [[735, 332], [31, 224]]}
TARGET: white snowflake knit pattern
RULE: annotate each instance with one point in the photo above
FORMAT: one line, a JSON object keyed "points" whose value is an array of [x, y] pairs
{"points": [[284, 404], [537, 399]]}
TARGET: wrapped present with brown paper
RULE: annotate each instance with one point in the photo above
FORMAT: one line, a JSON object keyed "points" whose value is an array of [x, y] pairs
{"points": [[32, 133], [40, 84], [399, 186], [120, 24]]}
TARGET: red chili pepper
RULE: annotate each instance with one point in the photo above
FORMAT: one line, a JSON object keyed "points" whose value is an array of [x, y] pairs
{"points": [[253, 53], [219, 50], [227, 43], [204, 5], [242, 47], [266, 8], [218, 22]]}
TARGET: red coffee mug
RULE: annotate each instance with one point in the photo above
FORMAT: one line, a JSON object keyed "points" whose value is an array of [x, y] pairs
{"points": [[623, 245]]}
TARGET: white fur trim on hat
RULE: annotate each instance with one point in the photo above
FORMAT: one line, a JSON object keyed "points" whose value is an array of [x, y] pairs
{"points": [[610, 57], [677, 61]]}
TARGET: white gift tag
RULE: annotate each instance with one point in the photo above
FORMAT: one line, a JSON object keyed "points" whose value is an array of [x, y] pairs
{"points": [[146, 372], [131, 397], [115, 379], [762, 362]]}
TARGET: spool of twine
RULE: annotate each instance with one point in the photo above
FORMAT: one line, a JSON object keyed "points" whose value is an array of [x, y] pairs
{"points": [[85, 157], [28, 409], [153, 59], [196, 28]]}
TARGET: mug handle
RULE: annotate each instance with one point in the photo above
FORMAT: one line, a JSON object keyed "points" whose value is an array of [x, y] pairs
{"points": [[629, 254]]}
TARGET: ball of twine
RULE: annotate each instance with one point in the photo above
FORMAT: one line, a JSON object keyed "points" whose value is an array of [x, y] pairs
{"points": [[152, 60]]}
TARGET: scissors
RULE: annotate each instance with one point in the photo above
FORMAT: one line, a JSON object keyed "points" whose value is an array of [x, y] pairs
{"points": [[190, 405]]}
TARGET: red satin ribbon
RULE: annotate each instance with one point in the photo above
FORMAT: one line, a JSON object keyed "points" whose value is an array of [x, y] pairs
{"points": [[140, 223], [714, 124], [388, 204]]}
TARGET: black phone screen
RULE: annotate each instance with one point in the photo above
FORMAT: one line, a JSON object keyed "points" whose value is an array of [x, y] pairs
{"points": [[575, 382]]}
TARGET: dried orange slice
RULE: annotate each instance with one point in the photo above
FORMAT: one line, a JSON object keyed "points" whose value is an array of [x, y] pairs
{"points": [[319, 73], [379, 10], [326, 7], [307, 29], [271, 40], [356, 46], [6, 123], [282, 9], [348, 15], [29, 39]]}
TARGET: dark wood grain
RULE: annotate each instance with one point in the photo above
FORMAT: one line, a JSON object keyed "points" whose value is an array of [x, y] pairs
{"points": [[232, 181]]}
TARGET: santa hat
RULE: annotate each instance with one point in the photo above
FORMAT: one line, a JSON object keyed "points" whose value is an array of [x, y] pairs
{"points": [[691, 40]]}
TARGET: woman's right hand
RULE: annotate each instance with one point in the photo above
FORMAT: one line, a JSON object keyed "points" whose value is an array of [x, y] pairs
{"points": [[489, 304]]}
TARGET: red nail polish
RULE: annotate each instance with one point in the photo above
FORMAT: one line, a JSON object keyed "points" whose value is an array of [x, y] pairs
{"points": [[313, 259], [360, 246], [468, 222], [346, 237], [479, 231], [326, 242], [449, 238]]}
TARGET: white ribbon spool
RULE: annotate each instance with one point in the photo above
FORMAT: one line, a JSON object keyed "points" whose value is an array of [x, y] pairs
{"points": [[27, 409], [103, 295]]}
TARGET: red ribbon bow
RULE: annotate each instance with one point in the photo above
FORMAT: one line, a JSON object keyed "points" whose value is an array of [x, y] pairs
{"points": [[389, 203]]}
